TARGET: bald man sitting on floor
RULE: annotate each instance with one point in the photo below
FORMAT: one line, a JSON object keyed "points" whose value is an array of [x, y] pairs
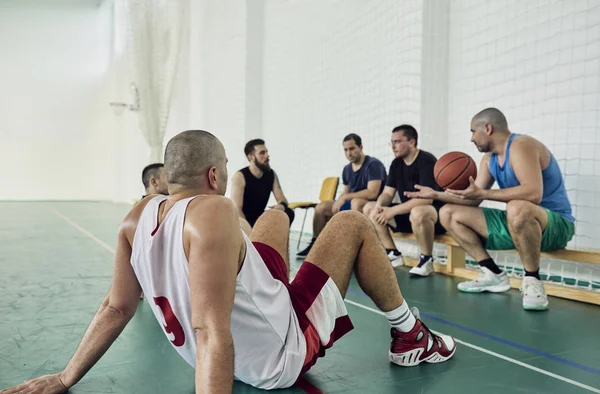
{"points": [[224, 300]]}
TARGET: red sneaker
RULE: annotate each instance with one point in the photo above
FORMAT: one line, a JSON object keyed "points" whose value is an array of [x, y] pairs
{"points": [[420, 344]]}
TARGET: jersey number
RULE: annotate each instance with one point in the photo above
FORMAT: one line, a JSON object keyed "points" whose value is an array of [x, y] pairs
{"points": [[172, 325]]}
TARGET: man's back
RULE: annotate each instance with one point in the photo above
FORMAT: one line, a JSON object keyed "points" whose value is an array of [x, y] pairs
{"points": [[262, 319]]}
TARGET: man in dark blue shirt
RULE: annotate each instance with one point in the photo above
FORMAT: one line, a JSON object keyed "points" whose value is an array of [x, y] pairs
{"points": [[363, 178]]}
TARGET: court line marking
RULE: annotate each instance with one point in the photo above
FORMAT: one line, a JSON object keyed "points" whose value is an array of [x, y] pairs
{"points": [[503, 341], [84, 231], [494, 354], [467, 344]]}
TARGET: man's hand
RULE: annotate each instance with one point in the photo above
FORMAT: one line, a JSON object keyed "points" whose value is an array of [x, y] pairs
{"points": [[473, 192], [384, 215], [423, 192], [48, 384], [337, 205]]}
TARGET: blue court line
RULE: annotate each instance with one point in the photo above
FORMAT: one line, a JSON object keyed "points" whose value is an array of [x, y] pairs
{"points": [[503, 341]]}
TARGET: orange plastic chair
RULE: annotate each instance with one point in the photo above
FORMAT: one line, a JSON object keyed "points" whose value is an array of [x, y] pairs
{"points": [[327, 193]]}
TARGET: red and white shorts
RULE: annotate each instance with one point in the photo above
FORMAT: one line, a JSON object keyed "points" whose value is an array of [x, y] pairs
{"points": [[319, 306]]}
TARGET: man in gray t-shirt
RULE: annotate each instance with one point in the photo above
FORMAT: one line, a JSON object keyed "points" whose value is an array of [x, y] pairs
{"points": [[363, 178]]}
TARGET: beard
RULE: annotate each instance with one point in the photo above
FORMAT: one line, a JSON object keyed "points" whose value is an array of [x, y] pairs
{"points": [[263, 167], [483, 148]]}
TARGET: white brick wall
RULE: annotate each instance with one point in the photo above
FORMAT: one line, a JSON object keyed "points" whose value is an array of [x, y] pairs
{"points": [[332, 68], [539, 62]]}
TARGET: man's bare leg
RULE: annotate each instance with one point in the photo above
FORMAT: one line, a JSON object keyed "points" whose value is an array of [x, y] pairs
{"points": [[527, 222], [273, 228], [245, 226], [467, 226], [358, 249], [382, 231], [357, 204], [422, 220], [323, 213]]}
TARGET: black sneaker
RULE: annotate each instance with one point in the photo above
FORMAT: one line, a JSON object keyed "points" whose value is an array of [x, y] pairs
{"points": [[304, 253]]}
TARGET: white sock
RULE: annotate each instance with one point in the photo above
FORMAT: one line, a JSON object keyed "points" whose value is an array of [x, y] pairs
{"points": [[401, 318]]}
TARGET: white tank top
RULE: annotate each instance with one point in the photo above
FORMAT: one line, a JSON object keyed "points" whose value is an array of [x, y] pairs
{"points": [[269, 345]]}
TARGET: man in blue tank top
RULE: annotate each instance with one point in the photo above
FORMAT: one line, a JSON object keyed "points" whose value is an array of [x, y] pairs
{"points": [[538, 214]]}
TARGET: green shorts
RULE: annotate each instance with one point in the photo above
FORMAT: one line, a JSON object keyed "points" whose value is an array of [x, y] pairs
{"points": [[556, 236]]}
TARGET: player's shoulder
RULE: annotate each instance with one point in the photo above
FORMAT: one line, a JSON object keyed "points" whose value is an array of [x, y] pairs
{"points": [[211, 202], [525, 145], [131, 220], [524, 142], [373, 161], [238, 178], [209, 207], [426, 157]]}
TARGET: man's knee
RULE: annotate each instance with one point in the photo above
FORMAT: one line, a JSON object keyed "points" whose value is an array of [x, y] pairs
{"points": [[519, 213], [357, 204], [350, 220], [275, 215], [245, 226], [422, 213], [446, 215], [323, 209], [369, 208]]}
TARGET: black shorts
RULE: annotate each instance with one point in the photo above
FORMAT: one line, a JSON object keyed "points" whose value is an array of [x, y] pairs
{"points": [[403, 224]]}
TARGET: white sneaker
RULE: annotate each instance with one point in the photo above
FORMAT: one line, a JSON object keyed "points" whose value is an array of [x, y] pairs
{"points": [[424, 270], [534, 295], [486, 281], [396, 259]]}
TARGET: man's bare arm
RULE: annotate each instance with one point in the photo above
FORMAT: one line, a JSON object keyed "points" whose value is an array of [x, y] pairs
{"points": [[525, 163], [484, 181], [216, 248], [116, 311], [278, 191], [386, 197], [370, 193], [238, 184]]}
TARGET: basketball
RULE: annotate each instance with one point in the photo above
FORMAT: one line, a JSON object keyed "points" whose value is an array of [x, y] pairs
{"points": [[452, 170]]}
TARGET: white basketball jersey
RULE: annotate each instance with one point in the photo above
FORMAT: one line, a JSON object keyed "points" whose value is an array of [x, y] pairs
{"points": [[269, 345]]}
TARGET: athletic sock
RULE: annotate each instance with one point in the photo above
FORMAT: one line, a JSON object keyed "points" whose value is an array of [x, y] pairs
{"points": [[423, 259], [489, 264], [401, 318], [535, 274]]}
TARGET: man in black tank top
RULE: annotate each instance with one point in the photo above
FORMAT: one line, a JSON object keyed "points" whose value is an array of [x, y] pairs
{"points": [[252, 185]]}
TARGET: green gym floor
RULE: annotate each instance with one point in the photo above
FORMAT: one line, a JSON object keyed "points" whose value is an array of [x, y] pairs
{"points": [[55, 267]]}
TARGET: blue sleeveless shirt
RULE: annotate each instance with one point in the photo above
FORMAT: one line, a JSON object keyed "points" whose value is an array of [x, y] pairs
{"points": [[554, 197]]}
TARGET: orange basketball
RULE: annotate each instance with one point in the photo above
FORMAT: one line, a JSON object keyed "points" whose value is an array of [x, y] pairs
{"points": [[452, 170]]}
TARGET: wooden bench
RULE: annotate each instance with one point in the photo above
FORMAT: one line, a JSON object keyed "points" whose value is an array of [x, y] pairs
{"points": [[455, 266]]}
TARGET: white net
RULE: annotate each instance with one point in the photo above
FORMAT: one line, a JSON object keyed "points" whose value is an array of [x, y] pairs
{"points": [[153, 31], [331, 68]]}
